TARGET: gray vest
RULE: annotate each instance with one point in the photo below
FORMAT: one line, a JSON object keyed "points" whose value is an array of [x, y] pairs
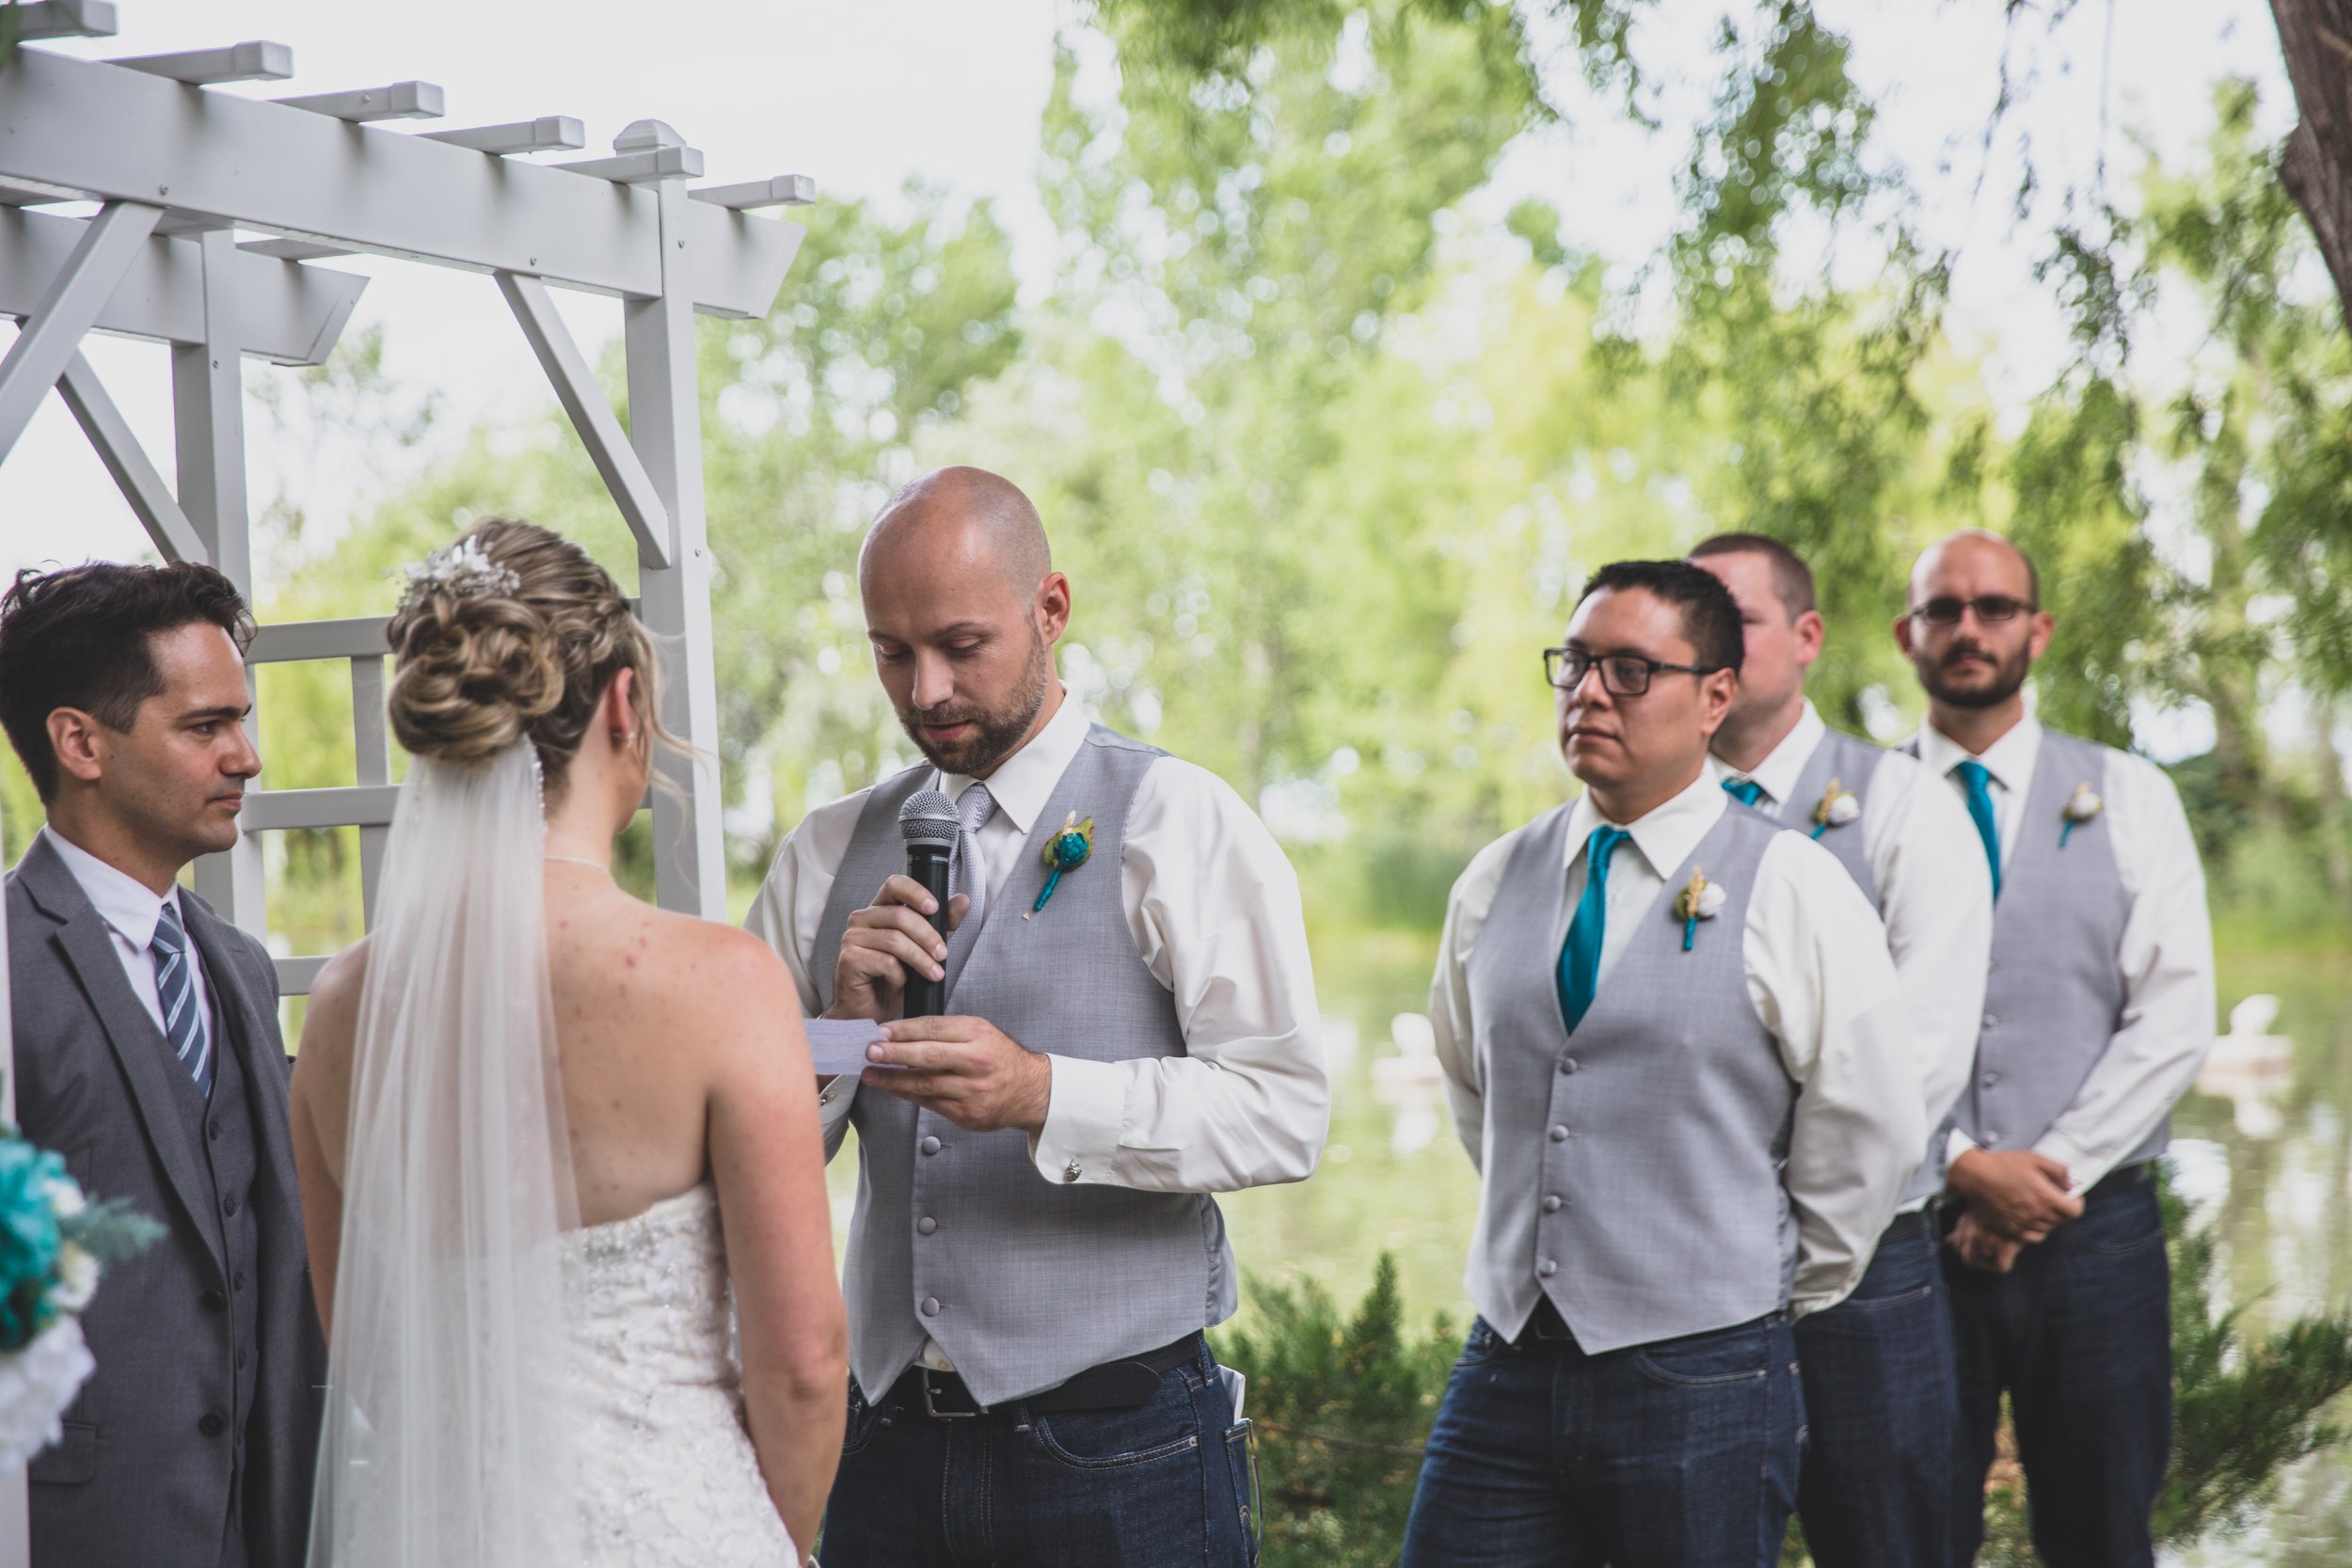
{"points": [[1849, 763], [223, 1129], [1631, 1172], [1853, 763], [2055, 997], [955, 1236]]}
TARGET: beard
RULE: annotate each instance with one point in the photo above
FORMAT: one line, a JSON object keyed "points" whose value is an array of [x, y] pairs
{"points": [[996, 732], [2008, 674]]}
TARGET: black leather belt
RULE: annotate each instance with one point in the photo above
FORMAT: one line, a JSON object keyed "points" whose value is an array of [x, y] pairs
{"points": [[2121, 1180], [1122, 1384], [1920, 1221]]}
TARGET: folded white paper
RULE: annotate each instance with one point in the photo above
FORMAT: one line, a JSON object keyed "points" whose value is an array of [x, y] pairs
{"points": [[838, 1045]]}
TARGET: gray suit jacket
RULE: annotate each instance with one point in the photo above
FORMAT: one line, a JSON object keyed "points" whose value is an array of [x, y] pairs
{"points": [[140, 1477]]}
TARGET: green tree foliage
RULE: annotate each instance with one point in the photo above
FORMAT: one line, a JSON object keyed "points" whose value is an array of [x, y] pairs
{"points": [[1342, 1402]]}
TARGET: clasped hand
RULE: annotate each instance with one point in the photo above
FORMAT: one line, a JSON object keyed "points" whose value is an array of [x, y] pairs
{"points": [[964, 1068], [2014, 1198]]}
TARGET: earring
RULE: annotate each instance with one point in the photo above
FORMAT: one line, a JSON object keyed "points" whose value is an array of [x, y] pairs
{"points": [[623, 738]]}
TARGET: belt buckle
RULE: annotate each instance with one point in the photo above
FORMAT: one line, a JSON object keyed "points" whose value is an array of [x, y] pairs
{"points": [[930, 1405]]}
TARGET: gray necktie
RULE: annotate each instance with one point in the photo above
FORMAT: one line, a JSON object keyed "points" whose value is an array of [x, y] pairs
{"points": [[967, 874]]}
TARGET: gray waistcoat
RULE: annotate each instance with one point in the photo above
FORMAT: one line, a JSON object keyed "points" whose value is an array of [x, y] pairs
{"points": [[955, 1236], [223, 1129], [1849, 763], [1631, 1173], [2055, 996]]}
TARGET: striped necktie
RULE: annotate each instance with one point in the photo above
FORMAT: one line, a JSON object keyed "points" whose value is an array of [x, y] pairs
{"points": [[1977, 779], [1580, 956], [175, 988], [1746, 791]]}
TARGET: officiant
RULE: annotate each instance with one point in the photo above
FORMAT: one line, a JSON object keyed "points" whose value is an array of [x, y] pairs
{"points": [[1128, 1030]]}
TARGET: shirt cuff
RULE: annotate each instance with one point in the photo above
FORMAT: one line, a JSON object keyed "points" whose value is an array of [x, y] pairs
{"points": [[1083, 1120], [2083, 1171], [1956, 1144]]}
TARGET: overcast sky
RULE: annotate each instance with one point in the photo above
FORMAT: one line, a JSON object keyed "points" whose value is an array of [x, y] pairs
{"points": [[866, 94]]}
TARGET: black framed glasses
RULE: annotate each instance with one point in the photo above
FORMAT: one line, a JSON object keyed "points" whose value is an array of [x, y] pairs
{"points": [[1991, 610], [1621, 674]]}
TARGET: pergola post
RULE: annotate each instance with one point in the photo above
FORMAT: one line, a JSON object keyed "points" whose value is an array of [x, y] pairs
{"points": [[665, 429], [208, 426]]}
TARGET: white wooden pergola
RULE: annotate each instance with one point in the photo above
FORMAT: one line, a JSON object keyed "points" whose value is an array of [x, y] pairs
{"points": [[215, 212]]}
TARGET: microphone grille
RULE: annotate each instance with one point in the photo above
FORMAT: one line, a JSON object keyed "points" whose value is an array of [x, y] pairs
{"points": [[928, 818]]}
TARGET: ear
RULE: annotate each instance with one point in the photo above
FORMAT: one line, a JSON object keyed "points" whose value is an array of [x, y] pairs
{"points": [[2038, 636], [1717, 689], [75, 737], [1809, 629], [1053, 607], [617, 711], [1902, 634]]}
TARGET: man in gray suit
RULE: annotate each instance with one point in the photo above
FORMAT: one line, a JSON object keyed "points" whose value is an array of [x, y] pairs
{"points": [[148, 1054], [1035, 1249]]}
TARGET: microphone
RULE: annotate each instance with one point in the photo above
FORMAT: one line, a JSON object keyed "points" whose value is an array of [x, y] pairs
{"points": [[928, 824]]}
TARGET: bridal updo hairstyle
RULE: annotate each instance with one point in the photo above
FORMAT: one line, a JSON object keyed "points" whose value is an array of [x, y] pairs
{"points": [[477, 669]]}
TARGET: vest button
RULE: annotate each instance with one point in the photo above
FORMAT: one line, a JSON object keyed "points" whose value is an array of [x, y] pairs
{"points": [[228, 1204], [929, 1146], [1990, 1139], [1547, 1268], [1567, 1064], [237, 1283], [1559, 1135], [213, 1301], [1990, 1021], [931, 1306], [1551, 1203], [211, 1424], [213, 1132], [1991, 1079], [927, 1225]]}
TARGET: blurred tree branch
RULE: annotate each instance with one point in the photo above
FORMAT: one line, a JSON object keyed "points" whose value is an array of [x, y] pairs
{"points": [[2316, 165]]}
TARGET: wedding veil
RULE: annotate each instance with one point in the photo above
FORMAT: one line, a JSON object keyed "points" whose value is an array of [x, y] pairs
{"points": [[445, 1439]]}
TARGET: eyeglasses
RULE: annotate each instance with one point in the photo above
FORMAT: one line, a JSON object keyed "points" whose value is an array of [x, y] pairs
{"points": [[1621, 674], [1991, 610]]}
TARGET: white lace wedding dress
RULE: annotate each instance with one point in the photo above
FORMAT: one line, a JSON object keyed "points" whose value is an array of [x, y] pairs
{"points": [[668, 1476]]}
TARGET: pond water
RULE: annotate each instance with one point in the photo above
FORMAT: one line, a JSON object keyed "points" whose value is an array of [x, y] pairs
{"points": [[2264, 1149]]}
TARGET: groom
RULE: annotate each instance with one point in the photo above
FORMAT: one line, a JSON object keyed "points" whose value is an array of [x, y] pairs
{"points": [[148, 1055], [1035, 1250]]}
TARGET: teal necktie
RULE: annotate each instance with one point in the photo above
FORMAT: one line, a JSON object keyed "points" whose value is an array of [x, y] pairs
{"points": [[1746, 791], [1979, 779], [1580, 956]]}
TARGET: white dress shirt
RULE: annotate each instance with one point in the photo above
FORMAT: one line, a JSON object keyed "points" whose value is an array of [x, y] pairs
{"points": [[1821, 984], [1934, 894], [2166, 956], [131, 909], [1213, 908]]}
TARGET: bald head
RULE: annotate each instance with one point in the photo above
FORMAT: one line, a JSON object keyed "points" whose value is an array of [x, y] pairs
{"points": [[1975, 555], [969, 515]]}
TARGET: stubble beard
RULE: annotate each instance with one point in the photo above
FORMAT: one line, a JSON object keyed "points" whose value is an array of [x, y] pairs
{"points": [[1000, 731], [2007, 678]]}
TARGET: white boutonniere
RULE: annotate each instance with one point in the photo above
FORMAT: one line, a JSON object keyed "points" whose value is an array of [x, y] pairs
{"points": [[1699, 899], [2081, 807], [1836, 808]]}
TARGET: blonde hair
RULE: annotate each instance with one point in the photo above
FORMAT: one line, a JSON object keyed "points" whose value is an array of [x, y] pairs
{"points": [[477, 669]]}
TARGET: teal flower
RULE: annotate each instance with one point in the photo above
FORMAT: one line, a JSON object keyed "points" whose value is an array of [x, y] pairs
{"points": [[1066, 850], [28, 1240]]}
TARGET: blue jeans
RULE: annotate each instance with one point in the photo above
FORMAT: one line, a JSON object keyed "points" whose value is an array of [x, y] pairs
{"points": [[1882, 1401], [2080, 1333], [1161, 1484], [1679, 1455]]}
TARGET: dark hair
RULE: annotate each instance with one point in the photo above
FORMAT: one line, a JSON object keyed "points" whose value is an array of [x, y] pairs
{"points": [[82, 638], [1792, 580], [1711, 619]]}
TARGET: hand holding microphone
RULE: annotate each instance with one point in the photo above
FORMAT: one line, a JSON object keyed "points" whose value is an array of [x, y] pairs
{"points": [[893, 960]]}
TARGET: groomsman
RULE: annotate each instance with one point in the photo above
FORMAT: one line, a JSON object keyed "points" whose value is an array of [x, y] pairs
{"points": [[1676, 1050], [1035, 1250], [1880, 1392], [2098, 1009]]}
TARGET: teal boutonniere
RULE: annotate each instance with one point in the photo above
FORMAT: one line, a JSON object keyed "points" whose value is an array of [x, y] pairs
{"points": [[1066, 850]]}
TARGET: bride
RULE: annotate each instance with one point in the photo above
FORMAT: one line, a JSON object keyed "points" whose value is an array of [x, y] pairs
{"points": [[549, 1135]]}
